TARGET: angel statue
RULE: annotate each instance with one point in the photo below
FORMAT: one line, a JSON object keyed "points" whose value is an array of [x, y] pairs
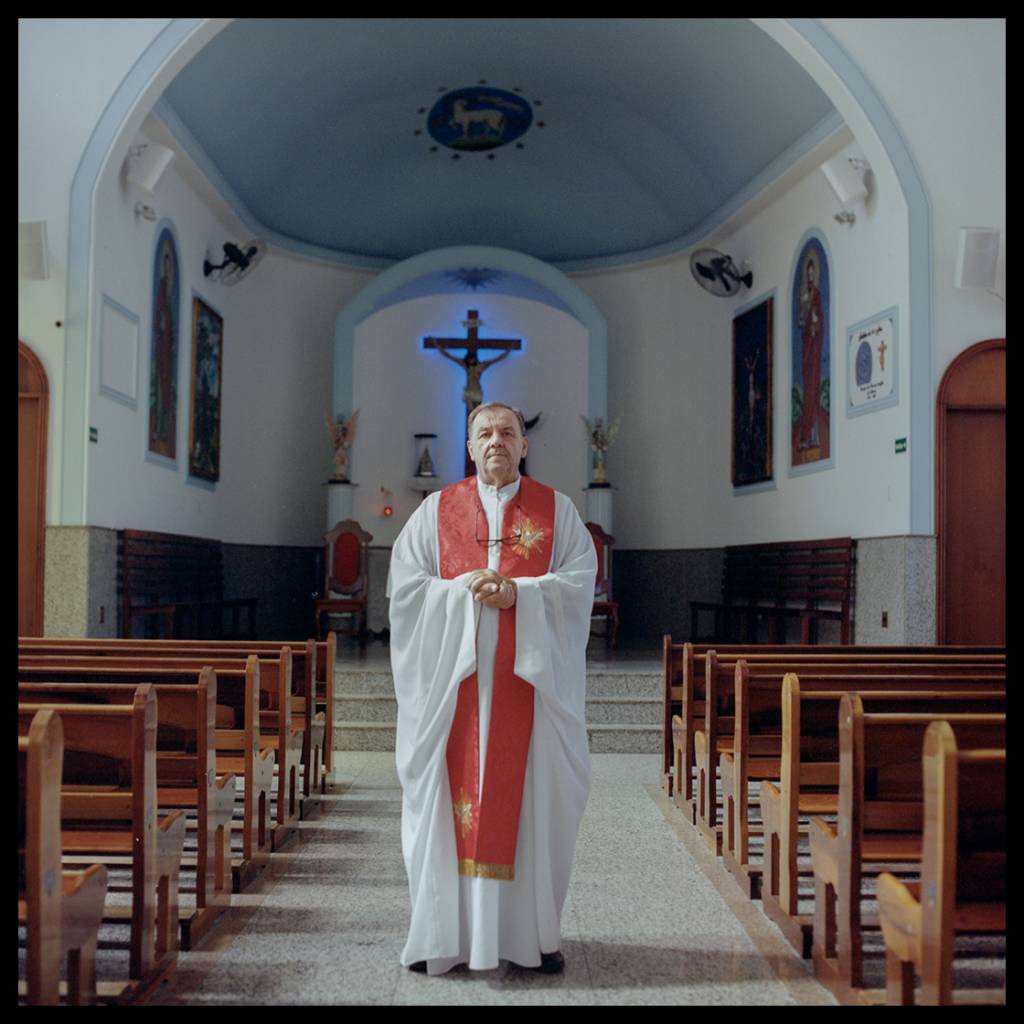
{"points": [[601, 439], [342, 433]]}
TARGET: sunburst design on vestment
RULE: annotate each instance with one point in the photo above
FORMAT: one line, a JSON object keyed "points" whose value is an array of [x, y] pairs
{"points": [[526, 538], [464, 812]]}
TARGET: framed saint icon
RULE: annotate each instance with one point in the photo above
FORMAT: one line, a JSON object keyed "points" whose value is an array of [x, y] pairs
{"points": [[204, 419], [752, 394]]}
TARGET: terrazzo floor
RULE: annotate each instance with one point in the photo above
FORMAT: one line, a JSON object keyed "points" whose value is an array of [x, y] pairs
{"points": [[650, 918]]}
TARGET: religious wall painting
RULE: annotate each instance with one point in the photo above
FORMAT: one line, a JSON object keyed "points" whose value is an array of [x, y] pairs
{"points": [[163, 357], [811, 362], [871, 363], [752, 331], [478, 119], [204, 406]]}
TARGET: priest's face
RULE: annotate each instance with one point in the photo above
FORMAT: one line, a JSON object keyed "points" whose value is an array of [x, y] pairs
{"points": [[496, 444]]}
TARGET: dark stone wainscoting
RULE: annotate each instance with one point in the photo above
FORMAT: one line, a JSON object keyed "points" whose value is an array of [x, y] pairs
{"points": [[654, 590], [283, 578]]}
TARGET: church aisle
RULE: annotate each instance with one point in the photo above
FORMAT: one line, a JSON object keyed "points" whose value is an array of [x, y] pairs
{"points": [[327, 922]]}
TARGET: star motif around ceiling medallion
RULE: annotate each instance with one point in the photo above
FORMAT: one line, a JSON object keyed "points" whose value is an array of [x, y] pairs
{"points": [[526, 537], [463, 810]]}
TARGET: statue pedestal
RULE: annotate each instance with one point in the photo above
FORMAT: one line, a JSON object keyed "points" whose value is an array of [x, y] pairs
{"points": [[599, 506], [340, 494]]}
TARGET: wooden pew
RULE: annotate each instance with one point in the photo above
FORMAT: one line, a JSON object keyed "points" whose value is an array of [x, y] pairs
{"points": [[717, 735], [276, 733], [63, 919], [683, 673], [237, 738], [758, 738], [186, 778], [176, 579], [109, 808], [780, 580], [963, 869], [881, 813], [310, 661], [808, 781]]}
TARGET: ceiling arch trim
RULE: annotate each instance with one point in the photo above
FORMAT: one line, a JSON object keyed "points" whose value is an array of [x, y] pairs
{"points": [[569, 295]]}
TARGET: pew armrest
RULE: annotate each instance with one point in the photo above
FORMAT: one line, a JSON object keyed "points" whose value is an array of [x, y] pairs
{"points": [[825, 851]]}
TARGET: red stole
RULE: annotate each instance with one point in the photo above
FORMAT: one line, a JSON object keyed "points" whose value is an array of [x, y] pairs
{"points": [[487, 824]]}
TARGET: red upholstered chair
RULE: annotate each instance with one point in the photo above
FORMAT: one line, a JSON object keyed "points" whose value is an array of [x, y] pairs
{"points": [[604, 606], [346, 587]]}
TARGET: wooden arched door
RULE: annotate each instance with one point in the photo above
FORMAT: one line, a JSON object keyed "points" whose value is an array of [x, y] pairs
{"points": [[970, 505], [33, 406]]}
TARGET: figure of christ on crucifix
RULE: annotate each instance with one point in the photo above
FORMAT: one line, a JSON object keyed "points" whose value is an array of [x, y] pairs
{"points": [[473, 393]]}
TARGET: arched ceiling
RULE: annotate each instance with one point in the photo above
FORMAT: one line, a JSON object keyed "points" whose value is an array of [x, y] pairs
{"points": [[633, 134]]}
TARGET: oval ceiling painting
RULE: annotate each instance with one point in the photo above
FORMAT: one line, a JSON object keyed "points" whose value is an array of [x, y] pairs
{"points": [[479, 118]]}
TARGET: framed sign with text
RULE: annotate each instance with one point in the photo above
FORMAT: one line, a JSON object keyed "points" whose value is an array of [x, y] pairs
{"points": [[872, 363]]}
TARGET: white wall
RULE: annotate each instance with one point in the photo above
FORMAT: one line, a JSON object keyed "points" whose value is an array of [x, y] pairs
{"points": [[944, 82], [276, 374], [670, 379], [403, 390], [67, 70]]}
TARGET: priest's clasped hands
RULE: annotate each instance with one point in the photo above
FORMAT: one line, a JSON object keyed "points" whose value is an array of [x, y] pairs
{"points": [[492, 589]]}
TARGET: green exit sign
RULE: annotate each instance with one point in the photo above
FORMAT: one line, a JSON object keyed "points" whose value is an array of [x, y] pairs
{"points": [[901, 445]]}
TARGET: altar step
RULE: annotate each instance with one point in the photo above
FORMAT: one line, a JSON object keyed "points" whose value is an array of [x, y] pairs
{"points": [[623, 711]]}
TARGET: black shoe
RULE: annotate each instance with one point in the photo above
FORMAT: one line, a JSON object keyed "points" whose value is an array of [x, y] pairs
{"points": [[551, 963], [420, 967]]}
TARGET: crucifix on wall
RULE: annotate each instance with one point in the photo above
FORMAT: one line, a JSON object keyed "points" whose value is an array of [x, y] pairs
{"points": [[473, 394]]}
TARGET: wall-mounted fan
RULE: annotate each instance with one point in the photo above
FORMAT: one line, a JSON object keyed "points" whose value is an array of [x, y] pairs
{"points": [[717, 273], [238, 262]]}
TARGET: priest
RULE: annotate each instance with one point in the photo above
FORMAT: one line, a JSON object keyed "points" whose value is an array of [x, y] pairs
{"points": [[491, 588]]}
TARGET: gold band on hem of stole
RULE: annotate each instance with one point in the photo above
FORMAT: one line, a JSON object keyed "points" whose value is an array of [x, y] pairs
{"points": [[476, 869]]}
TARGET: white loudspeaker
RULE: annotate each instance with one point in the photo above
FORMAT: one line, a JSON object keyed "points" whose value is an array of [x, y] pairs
{"points": [[977, 258], [847, 184], [32, 262], [146, 168]]}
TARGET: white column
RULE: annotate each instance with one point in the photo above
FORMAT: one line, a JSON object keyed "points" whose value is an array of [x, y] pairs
{"points": [[339, 503], [599, 507]]}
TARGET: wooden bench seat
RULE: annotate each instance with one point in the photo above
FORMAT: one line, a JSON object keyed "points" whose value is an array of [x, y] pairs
{"points": [[805, 580], [178, 581], [881, 816], [682, 724], [311, 672], [197, 653], [109, 797], [963, 868], [61, 921], [186, 778], [720, 692], [683, 673], [236, 738], [809, 782]]}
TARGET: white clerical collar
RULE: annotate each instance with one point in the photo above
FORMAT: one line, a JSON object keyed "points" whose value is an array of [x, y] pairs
{"points": [[501, 493]]}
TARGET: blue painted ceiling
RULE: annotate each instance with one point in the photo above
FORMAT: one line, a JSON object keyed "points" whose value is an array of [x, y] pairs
{"points": [[641, 130]]}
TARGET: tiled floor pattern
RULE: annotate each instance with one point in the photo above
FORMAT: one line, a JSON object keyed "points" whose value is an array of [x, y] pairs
{"points": [[650, 918]]}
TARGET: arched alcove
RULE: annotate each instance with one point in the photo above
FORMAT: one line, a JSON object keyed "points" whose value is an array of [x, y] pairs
{"points": [[550, 279]]}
